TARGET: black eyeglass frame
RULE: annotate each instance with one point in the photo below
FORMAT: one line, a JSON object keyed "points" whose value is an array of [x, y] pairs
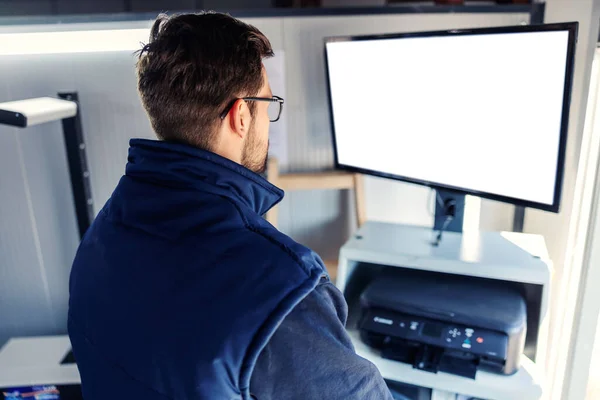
{"points": [[274, 99]]}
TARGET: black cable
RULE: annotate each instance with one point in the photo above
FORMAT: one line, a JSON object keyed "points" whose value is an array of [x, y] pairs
{"points": [[450, 210], [438, 238]]}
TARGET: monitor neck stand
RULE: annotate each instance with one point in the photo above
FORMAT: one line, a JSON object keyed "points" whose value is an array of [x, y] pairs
{"points": [[449, 213]]}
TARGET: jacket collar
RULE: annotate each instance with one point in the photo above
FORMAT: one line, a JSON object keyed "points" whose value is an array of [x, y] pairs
{"points": [[179, 165]]}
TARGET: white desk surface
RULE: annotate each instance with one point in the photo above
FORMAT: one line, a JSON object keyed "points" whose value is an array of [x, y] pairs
{"points": [[36, 361], [502, 254]]}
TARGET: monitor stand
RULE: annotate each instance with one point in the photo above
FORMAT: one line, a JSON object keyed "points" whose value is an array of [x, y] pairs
{"points": [[449, 213]]}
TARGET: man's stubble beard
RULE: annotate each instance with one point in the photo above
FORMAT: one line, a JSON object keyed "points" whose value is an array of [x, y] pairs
{"points": [[252, 157]]}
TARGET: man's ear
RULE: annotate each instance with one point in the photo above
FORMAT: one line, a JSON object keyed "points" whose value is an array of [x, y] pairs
{"points": [[240, 118]]}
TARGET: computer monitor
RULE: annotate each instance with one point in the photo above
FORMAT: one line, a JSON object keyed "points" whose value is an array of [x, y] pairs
{"points": [[470, 111]]}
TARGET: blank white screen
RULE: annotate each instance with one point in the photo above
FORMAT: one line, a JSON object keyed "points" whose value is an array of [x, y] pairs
{"points": [[478, 112]]}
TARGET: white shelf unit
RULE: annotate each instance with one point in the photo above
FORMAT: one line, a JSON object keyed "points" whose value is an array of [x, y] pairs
{"points": [[512, 257]]}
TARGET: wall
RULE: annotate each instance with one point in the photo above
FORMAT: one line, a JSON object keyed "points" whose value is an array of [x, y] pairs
{"points": [[38, 235]]}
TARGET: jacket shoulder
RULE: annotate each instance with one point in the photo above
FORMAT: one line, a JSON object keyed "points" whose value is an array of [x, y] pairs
{"points": [[289, 251]]}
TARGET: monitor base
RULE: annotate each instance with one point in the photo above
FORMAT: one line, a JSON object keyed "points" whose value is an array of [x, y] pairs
{"points": [[449, 213]]}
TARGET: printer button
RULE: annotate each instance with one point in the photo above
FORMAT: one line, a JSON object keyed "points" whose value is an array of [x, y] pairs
{"points": [[454, 332]]}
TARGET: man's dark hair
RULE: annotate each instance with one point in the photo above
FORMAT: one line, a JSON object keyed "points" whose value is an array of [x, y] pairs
{"points": [[193, 67]]}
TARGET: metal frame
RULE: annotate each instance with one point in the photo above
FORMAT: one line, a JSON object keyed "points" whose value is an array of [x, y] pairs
{"points": [[273, 99], [570, 27], [78, 166]]}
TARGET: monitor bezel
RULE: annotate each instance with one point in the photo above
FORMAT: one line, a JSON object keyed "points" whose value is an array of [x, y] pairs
{"points": [[570, 27]]}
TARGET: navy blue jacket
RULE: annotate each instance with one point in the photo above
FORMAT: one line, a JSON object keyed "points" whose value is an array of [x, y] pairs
{"points": [[179, 284]]}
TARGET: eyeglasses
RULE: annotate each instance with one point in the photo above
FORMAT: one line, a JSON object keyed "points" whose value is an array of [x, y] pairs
{"points": [[274, 109]]}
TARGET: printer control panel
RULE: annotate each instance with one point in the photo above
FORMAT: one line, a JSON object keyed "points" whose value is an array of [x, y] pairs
{"points": [[478, 341], [473, 340]]}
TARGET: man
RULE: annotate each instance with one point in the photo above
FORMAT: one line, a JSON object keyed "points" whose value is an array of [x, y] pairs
{"points": [[180, 289]]}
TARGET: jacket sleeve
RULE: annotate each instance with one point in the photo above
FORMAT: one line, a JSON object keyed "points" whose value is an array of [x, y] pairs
{"points": [[311, 356]]}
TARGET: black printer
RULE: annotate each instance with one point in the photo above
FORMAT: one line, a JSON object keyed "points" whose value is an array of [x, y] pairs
{"points": [[454, 324]]}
